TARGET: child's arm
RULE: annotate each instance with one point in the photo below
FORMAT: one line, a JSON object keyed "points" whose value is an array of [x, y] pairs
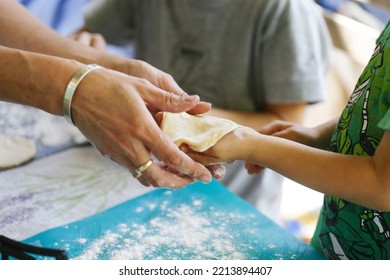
{"points": [[360, 179], [317, 137]]}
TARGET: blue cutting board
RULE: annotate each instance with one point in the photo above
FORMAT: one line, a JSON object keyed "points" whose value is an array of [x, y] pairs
{"points": [[197, 222]]}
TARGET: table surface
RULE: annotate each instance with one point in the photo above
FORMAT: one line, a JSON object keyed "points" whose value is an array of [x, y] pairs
{"points": [[74, 199], [197, 222]]}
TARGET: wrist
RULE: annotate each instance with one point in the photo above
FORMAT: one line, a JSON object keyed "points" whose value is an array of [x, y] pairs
{"points": [[113, 62], [72, 87], [44, 79], [245, 142]]}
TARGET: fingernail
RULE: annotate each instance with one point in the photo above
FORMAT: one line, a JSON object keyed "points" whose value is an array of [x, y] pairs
{"points": [[191, 98], [206, 179]]}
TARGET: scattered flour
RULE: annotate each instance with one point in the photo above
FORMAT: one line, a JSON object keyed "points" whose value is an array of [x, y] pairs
{"points": [[82, 240], [181, 233], [197, 202]]}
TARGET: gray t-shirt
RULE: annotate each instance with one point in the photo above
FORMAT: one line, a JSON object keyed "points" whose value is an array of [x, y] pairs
{"points": [[237, 54]]}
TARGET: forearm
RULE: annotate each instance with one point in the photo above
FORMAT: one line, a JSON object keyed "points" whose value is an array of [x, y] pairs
{"points": [[354, 178], [34, 79], [22, 30]]}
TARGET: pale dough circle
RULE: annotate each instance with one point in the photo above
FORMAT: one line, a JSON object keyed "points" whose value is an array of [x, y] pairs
{"points": [[198, 132], [15, 150]]}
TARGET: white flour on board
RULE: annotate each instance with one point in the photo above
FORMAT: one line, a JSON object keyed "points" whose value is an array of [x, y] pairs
{"points": [[183, 232]]}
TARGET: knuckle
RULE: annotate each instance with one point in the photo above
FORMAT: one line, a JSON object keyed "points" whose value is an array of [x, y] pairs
{"points": [[143, 83], [173, 160], [144, 66], [167, 79]]}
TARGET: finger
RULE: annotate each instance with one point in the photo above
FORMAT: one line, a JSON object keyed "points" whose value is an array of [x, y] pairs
{"points": [[130, 154], [159, 117], [98, 42], [280, 133], [168, 83], [201, 157], [253, 168], [164, 100], [84, 38], [169, 153], [74, 35], [162, 176], [271, 128], [174, 99], [123, 160], [268, 129], [200, 108], [153, 140], [218, 171], [175, 103], [156, 175], [181, 169]]}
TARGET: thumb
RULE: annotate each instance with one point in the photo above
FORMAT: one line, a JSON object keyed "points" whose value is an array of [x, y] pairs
{"points": [[170, 102]]}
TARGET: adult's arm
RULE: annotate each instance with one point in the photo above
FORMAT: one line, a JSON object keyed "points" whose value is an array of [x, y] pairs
{"points": [[22, 30], [125, 131], [108, 108]]}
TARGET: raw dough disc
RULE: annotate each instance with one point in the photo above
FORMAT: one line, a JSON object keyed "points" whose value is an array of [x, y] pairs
{"points": [[15, 150], [199, 132]]}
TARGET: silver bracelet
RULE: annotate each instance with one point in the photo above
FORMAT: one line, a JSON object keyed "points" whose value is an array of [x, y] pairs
{"points": [[72, 86]]}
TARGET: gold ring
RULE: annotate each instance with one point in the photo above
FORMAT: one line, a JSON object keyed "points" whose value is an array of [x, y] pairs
{"points": [[142, 168]]}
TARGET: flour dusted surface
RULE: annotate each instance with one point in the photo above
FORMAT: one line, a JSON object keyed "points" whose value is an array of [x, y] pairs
{"points": [[194, 223], [184, 232]]}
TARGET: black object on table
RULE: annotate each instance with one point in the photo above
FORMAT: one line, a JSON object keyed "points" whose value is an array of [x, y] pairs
{"points": [[18, 250]]}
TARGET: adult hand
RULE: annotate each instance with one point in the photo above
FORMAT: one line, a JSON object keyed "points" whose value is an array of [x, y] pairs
{"points": [[109, 109], [165, 96], [162, 80]]}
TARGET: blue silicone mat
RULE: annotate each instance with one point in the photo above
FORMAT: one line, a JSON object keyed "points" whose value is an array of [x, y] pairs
{"points": [[197, 222]]}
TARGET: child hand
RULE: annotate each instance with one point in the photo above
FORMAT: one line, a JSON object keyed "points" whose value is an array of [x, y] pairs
{"points": [[290, 131], [233, 146], [253, 168], [217, 170]]}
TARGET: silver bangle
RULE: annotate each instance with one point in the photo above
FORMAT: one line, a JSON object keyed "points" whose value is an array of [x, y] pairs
{"points": [[72, 86]]}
